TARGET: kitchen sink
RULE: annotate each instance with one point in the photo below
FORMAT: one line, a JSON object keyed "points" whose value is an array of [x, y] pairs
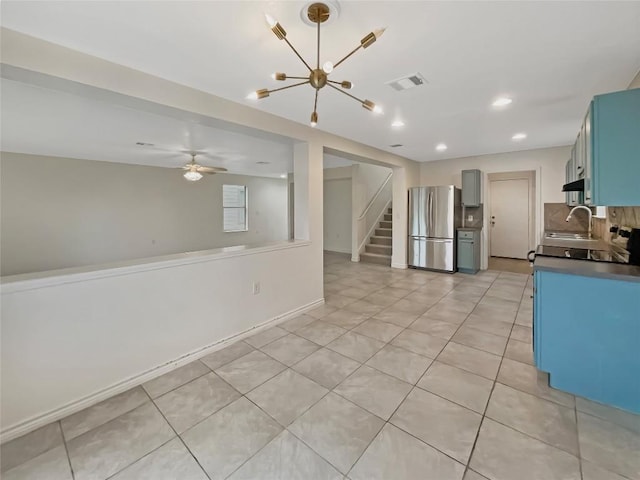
{"points": [[567, 236]]}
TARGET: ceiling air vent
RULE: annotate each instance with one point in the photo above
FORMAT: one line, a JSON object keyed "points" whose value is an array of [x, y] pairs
{"points": [[407, 82], [396, 145]]}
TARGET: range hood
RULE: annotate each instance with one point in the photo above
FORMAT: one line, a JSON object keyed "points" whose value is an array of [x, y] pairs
{"points": [[577, 186]]}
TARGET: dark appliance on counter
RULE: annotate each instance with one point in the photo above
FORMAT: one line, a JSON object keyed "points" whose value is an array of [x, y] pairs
{"points": [[633, 246]]}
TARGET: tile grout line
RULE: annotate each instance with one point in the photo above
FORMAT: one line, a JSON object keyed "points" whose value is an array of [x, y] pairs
{"points": [[414, 386], [486, 407], [177, 435], [66, 449]]}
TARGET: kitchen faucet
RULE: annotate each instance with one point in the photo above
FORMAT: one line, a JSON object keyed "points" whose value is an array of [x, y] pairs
{"points": [[587, 209]]}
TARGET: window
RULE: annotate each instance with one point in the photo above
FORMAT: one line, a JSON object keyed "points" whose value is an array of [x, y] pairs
{"points": [[234, 206]]}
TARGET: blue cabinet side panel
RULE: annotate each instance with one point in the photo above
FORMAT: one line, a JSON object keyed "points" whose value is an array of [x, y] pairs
{"points": [[588, 337], [616, 148]]}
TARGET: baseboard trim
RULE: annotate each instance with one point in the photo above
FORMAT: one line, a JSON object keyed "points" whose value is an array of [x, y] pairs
{"points": [[56, 414], [399, 265]]}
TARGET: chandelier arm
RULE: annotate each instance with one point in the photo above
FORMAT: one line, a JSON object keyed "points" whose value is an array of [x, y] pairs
{"points": [[296, 52], [348, 55], [318, 48], [315, 102], [297, 78], [345, 93], [334, 81], [288, 86]]}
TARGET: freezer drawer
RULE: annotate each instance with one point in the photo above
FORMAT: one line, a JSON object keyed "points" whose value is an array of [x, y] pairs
{"points": [[432, 253]]}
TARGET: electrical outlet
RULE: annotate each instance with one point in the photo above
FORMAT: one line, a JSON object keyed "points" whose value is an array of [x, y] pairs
{"points": [[469, 218], [256, 288]]}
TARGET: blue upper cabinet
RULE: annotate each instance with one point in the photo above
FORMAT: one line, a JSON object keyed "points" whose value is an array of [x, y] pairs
{"points": [[609, 143]]}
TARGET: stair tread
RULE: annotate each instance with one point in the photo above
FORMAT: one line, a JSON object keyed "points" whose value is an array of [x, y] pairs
{"points": [[381, 255]]}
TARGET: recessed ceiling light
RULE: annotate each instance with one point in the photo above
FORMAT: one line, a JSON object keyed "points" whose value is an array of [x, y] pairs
{"points": [[519, 136], [441, 147], [502, 102], [397, 123]]}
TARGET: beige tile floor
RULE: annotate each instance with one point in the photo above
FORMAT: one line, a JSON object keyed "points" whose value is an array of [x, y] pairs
{"points": [[401, 375]]}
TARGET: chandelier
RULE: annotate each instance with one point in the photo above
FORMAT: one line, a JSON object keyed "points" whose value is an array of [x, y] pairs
{"points": [[318, 78]]}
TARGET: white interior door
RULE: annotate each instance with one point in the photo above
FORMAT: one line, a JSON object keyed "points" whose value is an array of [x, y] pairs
{"points": [[509, 218]]}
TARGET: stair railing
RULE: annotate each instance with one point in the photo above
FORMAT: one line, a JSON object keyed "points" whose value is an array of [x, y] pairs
{"points": [[371, 216]]}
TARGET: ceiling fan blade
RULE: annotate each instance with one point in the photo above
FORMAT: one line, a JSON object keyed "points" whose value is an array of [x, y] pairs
{"points": [[211, 169]]}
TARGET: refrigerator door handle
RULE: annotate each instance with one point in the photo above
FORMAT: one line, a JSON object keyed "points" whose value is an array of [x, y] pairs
{"points": [[430, 214]]}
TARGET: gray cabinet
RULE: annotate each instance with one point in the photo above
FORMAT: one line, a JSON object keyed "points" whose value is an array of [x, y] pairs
{"points": [[471, 188], [468, 251]]}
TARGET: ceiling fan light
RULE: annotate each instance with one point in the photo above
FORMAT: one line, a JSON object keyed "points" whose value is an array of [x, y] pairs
{"points": [[192, 175], [314, 119], [346, 85]]}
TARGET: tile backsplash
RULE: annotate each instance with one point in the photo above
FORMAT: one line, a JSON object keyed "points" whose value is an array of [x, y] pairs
{"points": [[555, 215], [620, 216]]}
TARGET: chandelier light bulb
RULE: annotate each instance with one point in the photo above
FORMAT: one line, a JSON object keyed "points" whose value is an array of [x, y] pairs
{"points": [[258, 94], [377, 109], [397, 123], [272, 22], [193, 176], [327, 67], [314, 119], [378, 32]]}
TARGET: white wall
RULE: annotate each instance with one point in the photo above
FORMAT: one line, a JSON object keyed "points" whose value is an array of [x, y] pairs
{"points": [[61, 212], [550, 161], [337, 215], [68, 342], [161, 311]]}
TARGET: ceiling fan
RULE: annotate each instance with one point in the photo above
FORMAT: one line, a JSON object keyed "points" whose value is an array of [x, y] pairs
{"points": [[194, 171]]}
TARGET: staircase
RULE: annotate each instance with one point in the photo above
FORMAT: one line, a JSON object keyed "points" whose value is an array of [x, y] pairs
{"points": [[378, 250]]}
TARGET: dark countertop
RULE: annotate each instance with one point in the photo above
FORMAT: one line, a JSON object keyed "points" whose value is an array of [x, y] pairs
{"points": [[588, 268], [469, 229]]}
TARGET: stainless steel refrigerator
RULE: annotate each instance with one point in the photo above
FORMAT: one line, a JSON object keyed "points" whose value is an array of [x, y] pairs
{"points": [[434, 215]]}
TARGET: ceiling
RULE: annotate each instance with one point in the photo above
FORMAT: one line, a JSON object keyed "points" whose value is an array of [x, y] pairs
{"points": [[549, 57], [43, 121]]}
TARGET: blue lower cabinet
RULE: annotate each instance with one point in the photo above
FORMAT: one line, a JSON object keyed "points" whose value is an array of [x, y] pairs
{"points": [[468, 251], [586, 335]]}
